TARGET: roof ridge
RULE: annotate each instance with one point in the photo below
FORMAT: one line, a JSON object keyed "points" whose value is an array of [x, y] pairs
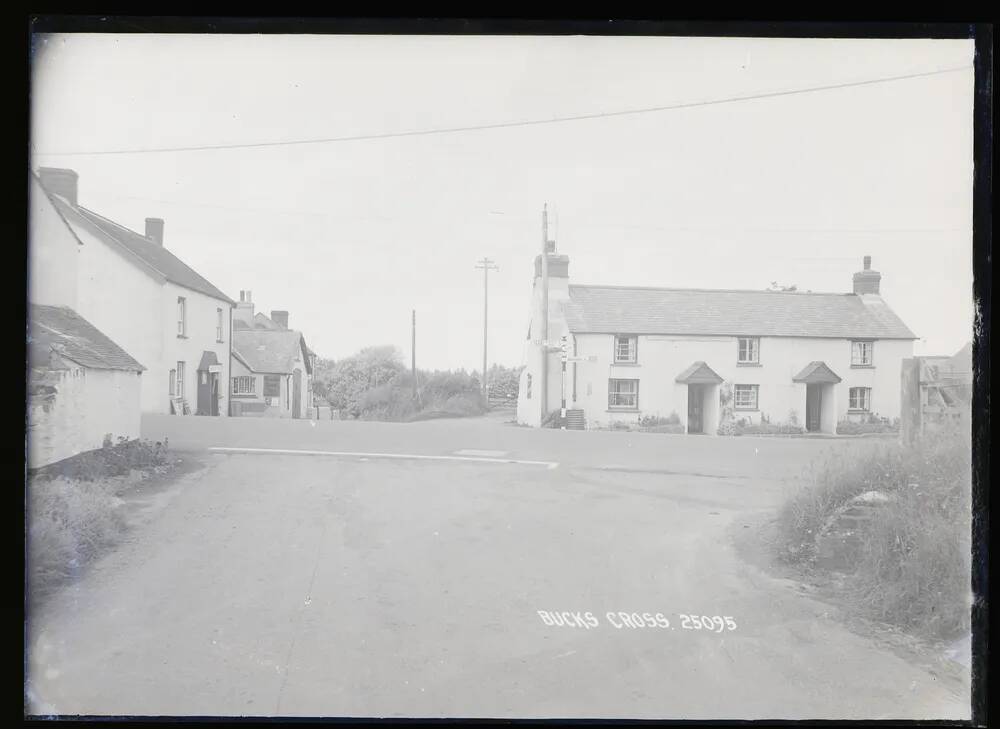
{"points": [[717, 291]]}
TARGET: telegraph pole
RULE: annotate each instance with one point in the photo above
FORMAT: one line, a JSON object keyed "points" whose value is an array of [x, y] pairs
{"points": [[545, 310], [413, 353], [487, 265]]}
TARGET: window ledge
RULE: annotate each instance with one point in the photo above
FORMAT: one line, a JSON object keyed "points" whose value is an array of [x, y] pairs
{"points": [[625, 364], [622, 410], [862, 367], [245, 397], [746, 410], [749, 364], [182, 336], [220, 341], [857, 412]]}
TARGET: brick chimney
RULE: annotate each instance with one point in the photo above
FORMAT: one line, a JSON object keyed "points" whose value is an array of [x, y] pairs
{"points": [[867, 281], [280, 318], [61, 182], [244, 310], [154, 230]]}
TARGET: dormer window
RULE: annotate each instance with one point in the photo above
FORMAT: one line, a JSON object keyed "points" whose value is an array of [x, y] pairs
{"points": [[748, 350], [625, 348]]}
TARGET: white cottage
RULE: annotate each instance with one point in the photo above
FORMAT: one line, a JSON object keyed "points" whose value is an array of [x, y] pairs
{"points": [[159, 309], [83, 388], [804, 358]]}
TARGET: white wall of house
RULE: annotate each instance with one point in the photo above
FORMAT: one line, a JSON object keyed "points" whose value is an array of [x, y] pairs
{"points": [[53, 253], [200, 335], [88, 405], [660, 359], [530, 409], [124, 301]]}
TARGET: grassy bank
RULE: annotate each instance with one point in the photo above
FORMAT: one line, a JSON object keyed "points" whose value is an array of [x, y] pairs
{"points": [[73, 509], [913, 563]]}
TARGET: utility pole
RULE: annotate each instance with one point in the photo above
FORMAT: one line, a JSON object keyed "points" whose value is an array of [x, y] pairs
{"points": [[545, 310], [487, 265], [413, 354]]}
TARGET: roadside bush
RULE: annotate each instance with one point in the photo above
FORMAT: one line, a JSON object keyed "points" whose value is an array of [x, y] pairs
{"points": [[914, 562], [109, 461], [768, 428], [69, 522], [869, 424], [651, 421]]}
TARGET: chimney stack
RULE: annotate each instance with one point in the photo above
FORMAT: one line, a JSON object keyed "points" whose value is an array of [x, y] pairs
{"points": [[154, 230], [61, 182], [280, 318], [867, 281], [243, 312]]}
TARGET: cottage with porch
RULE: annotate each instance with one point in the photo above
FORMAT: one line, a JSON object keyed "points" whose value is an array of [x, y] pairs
{"points": [[271, 367], [702, 355]]}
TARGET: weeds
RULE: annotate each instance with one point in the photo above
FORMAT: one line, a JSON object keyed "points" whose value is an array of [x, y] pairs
{"points": [[914, 562]]}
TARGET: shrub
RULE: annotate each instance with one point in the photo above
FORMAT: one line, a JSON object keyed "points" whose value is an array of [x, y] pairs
{"points": [[914, 562], [109, 461], [868, 424], [651, 421]]}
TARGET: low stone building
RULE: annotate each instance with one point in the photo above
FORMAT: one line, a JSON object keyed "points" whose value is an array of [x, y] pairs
{"points": [[83, 389]]}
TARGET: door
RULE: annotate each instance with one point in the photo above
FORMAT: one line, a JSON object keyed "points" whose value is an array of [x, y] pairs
{"points": [[214, 376], [296, 393], [204, 393], [695, 405], [814, 407]]}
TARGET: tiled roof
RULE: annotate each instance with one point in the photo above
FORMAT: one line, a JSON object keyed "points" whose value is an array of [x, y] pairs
{"points": [[60, 329], [269, 350], [152, 254], [631, 310]]}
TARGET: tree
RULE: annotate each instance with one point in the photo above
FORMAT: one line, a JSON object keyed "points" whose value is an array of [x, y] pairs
{"points": [[346, 381]]}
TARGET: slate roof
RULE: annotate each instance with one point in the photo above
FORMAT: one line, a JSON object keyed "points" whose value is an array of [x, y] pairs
{"points": [[60, 329], [720, 312], [154, 255], [269, 350], [817, 373]]}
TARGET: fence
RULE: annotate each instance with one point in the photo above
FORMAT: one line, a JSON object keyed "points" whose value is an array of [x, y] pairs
{"points": [[936, 391]]}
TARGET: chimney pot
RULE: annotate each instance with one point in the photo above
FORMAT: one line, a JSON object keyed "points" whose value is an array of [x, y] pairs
{"points": [[154, 230], [868, 263], [280, 318], [59, 181]]}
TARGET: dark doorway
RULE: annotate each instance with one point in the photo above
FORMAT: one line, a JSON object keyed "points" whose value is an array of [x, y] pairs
{"points": [[296, 393], [814, 407], [214, 377], [696, 405]]}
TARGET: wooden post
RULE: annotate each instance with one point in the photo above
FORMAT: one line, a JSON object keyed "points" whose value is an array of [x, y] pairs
{"points": [[910, 425]]}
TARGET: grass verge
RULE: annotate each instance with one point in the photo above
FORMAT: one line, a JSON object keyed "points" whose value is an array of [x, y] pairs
{"points": [[913, 565], [73, 508]]}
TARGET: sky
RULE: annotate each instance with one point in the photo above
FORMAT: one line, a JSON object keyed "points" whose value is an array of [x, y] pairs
{"points": [[350, 236]]}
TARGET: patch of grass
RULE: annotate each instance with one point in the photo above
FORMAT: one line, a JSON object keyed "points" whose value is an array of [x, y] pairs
{"points": [[73, 507], [871, 424], [69, 523], [914, 564]]}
